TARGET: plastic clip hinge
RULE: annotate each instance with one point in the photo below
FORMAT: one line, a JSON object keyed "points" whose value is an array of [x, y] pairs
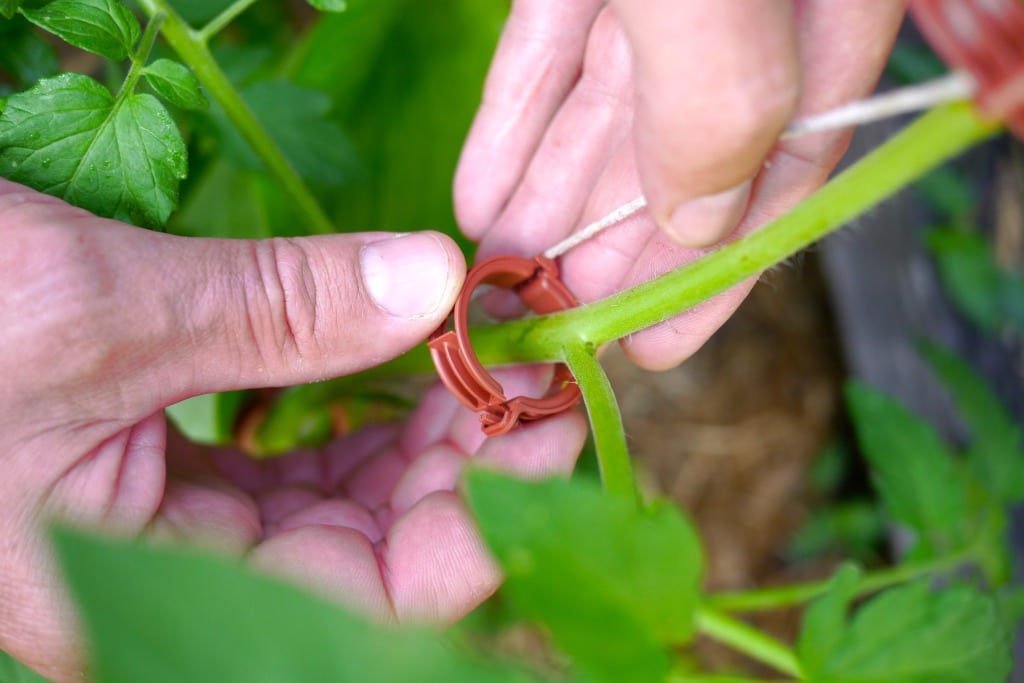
{"points": [[536, 282]]}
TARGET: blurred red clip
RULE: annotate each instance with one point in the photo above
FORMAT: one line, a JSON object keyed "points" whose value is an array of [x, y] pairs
{"points": [[536, 282], [986, 39]]}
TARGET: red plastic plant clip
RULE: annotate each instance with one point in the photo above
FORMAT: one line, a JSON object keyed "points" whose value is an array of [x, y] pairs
{"points": [[985, 38], [536, 282]]}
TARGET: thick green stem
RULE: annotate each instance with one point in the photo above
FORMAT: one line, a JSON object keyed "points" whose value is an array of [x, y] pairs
{"points": [[218, 23], [192, 49], [935, 137], [605, 420], [748, 640], [788, 596]]}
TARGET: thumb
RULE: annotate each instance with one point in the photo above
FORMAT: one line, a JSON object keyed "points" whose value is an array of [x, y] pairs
{"points": [[139, 320], [716, 83]]}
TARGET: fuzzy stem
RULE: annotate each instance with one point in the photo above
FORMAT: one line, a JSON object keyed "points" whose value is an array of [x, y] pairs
{"points": [[748, 640], [788, 596], [217, 24], [935, 137], [605, 421], [192, 49], [140, 55]]}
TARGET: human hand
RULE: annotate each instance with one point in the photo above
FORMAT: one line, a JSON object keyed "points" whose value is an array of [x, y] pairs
{"points": [[590, 104], [103, 325]]}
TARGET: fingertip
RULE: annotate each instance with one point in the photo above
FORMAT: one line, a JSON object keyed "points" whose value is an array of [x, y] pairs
{"points": [[413, 276]]}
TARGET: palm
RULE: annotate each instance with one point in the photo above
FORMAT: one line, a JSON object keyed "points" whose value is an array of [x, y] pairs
{"points": [[371, 520]]}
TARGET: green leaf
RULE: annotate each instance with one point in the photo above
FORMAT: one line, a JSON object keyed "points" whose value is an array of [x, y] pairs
{"points": [[329, 5], [911, 634], [406, 94], [825, 621], [614, 585], [995, 454], [296, 119], [170, 616], [8, 8], [175, 83], [969, 275], [916, 475], [105, 27], [209, 418], [13, 671], [24, 54], [121, 158], [949, 193]]}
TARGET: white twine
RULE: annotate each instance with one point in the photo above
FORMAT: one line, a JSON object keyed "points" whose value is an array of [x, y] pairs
{"points": [[958, 85]]}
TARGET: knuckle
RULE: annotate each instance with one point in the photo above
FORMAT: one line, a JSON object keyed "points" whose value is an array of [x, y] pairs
{"points": [[284, 313]]}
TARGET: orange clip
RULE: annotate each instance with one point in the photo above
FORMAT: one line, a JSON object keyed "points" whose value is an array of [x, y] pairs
{"points": [[536, 282], [985, 38]]}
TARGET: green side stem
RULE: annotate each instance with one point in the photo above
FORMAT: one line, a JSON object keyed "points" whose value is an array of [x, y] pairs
{"points": [[748, 640], [191, 47], [797, 594], [605, 420], [217, 24], [934, 138], [140, 56]]}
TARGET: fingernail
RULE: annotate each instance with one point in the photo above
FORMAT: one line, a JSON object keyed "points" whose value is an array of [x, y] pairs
{"points": [[407, 275], [707, 220]]}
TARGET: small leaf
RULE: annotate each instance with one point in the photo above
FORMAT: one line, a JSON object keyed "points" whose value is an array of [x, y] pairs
{"points": [[911, 634], [825, 620], [917, 476], [69, 137], [576, 558], [329, 5], [209, 418], [995, 453], [169, 616], [175, 83], [105, 27]]}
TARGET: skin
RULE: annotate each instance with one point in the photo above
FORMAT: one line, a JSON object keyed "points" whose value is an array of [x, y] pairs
{"points": [[103, 325], [589, 104]]}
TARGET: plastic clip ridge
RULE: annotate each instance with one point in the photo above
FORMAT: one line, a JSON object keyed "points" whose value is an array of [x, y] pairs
{"points": [[536, 282]]}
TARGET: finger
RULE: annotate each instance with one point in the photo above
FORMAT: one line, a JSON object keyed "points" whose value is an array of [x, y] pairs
{"points": [[537, 62], [138, 320], [591, 123], [716, 84]]}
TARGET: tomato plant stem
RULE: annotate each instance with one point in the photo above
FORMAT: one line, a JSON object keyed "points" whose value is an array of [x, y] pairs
{"points": [[935, 137], [606, 421], [748, 640], [190, 45], [140, 55], [229, 14], [787, 596]]}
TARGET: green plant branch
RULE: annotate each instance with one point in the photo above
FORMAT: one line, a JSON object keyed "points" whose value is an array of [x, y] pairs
{"points": [[788, 596], [605, 421], [192, 49], [934, 138], [748, 640], [140, 56], [217, 24]]}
